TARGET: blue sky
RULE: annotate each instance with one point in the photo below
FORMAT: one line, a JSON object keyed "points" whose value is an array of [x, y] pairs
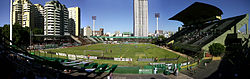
{"points": [[117, 15]]}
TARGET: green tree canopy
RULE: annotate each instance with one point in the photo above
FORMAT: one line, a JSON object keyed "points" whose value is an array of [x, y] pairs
{"points": [[159, 40], [20, 35], [216, 49]]}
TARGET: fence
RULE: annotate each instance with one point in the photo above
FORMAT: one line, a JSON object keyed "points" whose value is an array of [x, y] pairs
{"points": [[123, 59], [74, 56], [127, 70], [51, 46], [161, 59], [149, 69], [145, 59]]}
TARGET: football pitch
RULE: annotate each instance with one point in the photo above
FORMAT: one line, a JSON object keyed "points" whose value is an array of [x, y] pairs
{"points": [[133, 51]]}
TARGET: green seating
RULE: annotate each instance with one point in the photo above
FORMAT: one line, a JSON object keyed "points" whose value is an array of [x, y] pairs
{"points": [[83, 65], [92, 65], [112, 68], [167, 72], [54, 59], [106, 69], [102, 67], [99, 68]]}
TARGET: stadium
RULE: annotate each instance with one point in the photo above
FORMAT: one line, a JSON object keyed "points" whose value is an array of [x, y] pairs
{"points": [[100, 56]]}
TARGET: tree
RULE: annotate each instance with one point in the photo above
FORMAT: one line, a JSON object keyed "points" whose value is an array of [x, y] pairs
{"points": [[161, 40], [176, 48], [20, 34], [216, 49], [38, 31]]}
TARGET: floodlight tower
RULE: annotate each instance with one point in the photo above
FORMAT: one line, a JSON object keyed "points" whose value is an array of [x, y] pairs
{"points": [[11, 21], [157, 15], [93, 18]]}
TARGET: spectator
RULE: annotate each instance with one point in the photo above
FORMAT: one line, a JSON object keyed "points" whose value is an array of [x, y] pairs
{"points": [[110, 76], [121, 58], [156, 59], [155, 70], [88, 57], [206, 65], [177, 72]]}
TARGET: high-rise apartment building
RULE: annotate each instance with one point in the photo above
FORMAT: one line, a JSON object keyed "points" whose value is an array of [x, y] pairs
{"points": [[74, 21], [140, 18], [55, 18], [22, 13]]}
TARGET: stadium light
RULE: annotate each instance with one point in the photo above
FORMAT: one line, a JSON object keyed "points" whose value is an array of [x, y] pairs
{"points": [[93, 18], [157, 15]]}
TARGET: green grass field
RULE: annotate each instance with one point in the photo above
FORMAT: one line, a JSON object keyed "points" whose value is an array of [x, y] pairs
{"points": [[133, 51]]}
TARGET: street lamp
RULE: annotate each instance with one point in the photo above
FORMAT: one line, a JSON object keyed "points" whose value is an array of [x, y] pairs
{"points": [[11, 21]]}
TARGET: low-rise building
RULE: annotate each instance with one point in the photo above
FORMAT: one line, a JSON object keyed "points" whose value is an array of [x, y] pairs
{"points": [[87, 31]]}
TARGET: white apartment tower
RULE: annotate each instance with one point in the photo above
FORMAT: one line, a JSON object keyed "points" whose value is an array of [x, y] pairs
{"points": [[140, 18], [22, 13], [74, 21], [55, 18]]}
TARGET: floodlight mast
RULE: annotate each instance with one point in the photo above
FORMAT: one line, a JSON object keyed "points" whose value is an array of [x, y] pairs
{"points": [[157, 15], [11, 21], [93, 18]]}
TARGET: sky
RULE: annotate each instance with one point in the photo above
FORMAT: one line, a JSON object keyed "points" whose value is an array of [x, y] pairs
{"points": [[117, 15]]}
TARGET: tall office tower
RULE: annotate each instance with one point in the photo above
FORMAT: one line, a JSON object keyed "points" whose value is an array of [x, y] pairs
{"points": [[22, 13], [55, 18], [74, 21], [38, 14], [141, 18]]}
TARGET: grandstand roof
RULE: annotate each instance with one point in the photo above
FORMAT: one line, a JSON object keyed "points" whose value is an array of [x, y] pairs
{"points": [[213, 33], [197, 11]]}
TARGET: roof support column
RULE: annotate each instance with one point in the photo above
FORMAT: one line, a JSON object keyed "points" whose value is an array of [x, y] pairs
{"points": [[235, 29], [246, 28]]}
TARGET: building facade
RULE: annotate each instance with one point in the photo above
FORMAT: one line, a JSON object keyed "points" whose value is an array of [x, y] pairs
{"points": [[140, 18], [55, 18], [39, 19], [74, 21], [160, 32], [22, 13], [87, 31], [100, 32]]}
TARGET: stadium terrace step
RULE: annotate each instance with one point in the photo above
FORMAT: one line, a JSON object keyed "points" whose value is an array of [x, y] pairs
{"points": [[76, 39], [92, 39]]}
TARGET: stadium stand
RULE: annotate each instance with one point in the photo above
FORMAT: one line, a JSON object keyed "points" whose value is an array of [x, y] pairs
{"points": [[92, 39], [203, 26], [76, 39], [123, 39]]}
